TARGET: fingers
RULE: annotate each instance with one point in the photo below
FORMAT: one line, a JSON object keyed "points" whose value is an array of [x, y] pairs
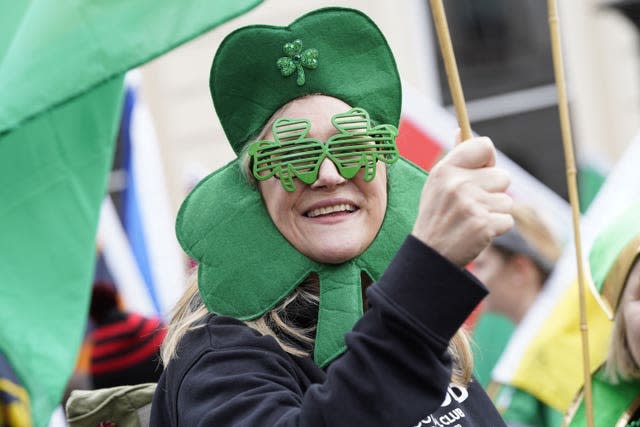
{"points": [[473, 153], [490, 179], [497, 202], [464, 203], [501, 223], [458, 137]]}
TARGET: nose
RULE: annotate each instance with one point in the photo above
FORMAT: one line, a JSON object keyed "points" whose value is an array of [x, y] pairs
{"points": [[328, 176]]}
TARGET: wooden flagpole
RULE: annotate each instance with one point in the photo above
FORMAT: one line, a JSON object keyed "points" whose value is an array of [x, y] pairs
{"points": [[444, 39], [565, 126]]}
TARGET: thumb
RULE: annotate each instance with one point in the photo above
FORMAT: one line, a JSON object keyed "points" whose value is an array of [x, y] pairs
{"points": [[458, 137]]}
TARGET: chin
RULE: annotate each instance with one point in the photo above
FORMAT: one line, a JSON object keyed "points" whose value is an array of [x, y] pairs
{"points": [[336, 254]]}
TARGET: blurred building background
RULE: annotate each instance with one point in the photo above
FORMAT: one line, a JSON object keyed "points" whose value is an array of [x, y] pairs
{"points": [[503, 51]]}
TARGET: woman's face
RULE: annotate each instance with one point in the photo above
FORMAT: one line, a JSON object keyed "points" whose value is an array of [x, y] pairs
{"points": [[630, 306], [333, 219]]}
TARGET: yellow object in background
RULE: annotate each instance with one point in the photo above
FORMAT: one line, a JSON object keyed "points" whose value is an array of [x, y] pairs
{"points": [[551, 368], [14, 405]]}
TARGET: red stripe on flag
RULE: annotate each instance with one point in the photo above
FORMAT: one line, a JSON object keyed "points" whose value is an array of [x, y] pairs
{"points": [[416, 145]]}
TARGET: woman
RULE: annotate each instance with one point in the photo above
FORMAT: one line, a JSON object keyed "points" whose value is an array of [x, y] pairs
{"points": [[290, 236], [615, 265]]}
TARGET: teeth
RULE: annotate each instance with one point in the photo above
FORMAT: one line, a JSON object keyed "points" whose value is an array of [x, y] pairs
{"points": [[331, 209]]}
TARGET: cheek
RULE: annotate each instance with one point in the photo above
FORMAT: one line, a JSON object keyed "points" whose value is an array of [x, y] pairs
{"points": [[269, 196], [491, 278], [380, 198], [632, 321], [278, 201], [481, 269], [487, 268], [376, 192]]}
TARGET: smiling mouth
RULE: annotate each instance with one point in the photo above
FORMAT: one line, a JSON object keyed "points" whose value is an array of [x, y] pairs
{"points": [[331, 210]]}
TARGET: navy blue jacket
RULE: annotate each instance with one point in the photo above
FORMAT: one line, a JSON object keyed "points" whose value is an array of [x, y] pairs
{"points": [[396, 371]]}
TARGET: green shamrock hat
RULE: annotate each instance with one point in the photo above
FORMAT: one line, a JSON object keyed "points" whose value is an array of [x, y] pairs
{"points": [[333, 51], [613, 254], [246, 267]]}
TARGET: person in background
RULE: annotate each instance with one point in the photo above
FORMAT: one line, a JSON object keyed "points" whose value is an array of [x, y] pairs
{"points": [[615, 266], [515, 268], [283, 325], [125, 346], [516, 265]]}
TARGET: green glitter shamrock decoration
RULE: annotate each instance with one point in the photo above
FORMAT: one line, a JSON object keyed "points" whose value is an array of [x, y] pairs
{"points": [[296, 59]]}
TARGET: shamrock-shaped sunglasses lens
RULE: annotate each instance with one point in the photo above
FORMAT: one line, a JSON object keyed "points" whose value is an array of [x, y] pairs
{"points": [[357, 145], [291, 154]]}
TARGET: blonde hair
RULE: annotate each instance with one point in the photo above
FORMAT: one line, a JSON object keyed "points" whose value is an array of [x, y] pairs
{"points": [[280, 324], [187, 315], [620, 364], [190, 311]]}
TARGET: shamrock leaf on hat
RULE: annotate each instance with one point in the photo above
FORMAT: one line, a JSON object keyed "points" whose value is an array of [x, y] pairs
{"points": [[296, 59]]}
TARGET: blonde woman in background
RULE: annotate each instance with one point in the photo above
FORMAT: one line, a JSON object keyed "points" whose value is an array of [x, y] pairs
{"points": [[615, 267]]}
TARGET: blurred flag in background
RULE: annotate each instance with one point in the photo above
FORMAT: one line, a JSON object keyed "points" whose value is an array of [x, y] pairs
{"points": [[137, 240]]}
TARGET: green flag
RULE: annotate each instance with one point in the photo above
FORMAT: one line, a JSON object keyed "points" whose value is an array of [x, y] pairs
{"points": [[54, 171], [62, 48], [61, 70]]}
